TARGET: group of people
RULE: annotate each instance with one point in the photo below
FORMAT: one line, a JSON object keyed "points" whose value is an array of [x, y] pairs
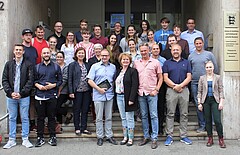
{"points": [[145, 73]]}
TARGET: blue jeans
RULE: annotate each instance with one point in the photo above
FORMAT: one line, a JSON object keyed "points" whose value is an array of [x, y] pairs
{"points": [[12, 106], [127, 117], [149, 104], [194, 87]]}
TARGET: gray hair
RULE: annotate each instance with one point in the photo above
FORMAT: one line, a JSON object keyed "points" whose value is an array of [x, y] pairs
{"points": [[98, 46]]}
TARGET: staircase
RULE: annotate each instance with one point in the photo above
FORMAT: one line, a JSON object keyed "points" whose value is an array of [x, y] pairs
{"points": [[68, 130]]}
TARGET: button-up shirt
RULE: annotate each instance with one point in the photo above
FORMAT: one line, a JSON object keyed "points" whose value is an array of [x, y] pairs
{"points": [[17, 76]]}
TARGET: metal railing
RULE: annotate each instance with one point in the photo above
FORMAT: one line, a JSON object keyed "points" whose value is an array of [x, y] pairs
{"points": [[7, 114]]}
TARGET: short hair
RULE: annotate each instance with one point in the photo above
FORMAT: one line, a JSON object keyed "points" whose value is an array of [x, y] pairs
{"points": [[61, 52], [97, 25], [117, 23], [144, 44], [83, 21], [85, 31], [177, 26], [208, 61], [190, 18], [124, 55], [18, 44], [165, 19], [40, 27], [176, 45], [98, 46], [198, 38], [75, 53], [172, 35]]}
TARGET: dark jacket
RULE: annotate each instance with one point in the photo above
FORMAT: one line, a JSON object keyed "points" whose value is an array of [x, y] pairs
{"points": [[26, 78], [74, 74], [131, 83]]}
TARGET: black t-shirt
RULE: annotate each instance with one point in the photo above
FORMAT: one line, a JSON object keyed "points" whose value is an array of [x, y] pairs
{"points": [[60, 40], [30, 54]]}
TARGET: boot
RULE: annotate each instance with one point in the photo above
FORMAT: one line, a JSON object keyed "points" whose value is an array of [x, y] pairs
{"points": [[125, 135], [130, 136], [210, 141], [221, 143]]}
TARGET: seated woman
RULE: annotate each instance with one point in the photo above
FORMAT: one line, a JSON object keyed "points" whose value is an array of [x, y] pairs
{"points": [[126, 88], [79, 90], [210, 101]]}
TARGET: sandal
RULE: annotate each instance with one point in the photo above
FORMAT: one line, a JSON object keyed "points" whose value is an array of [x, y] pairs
{"points": [[87, 132], [130, 142], [124, 141], [78, 132]]}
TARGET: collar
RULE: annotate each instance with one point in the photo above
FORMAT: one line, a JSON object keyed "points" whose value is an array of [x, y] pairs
{"points": [[104, 64], [20, 62], [175, 60], [194, 31], [149, 60]]}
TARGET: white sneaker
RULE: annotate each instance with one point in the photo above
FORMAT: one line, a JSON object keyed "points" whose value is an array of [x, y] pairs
{"points": [[27, 143], [10, 144]]}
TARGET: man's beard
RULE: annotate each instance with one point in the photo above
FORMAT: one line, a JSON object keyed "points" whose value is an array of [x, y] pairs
{"points": [[46, 59]]}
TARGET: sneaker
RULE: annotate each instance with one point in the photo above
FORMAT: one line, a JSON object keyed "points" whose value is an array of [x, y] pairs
{"points": [[40, 142], [52, 141], [186, 140], [201, 129], [10, 144], [168, 141], [27, 143]]}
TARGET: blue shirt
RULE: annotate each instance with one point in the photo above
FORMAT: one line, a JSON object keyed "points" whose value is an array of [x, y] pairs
{"points": [[161, 60], [190, 37], [161, 36], [98, 73], [17, 76], [177, 71], [210, 91]]}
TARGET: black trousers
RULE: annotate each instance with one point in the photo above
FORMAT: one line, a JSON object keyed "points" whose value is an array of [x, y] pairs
{"points": [[61, 111], [46, 108]]}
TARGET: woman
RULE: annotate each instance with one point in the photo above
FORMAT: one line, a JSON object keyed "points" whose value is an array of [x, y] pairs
{"points": [[63, 90], [151, 41], [68, 47], [126, 87], [131, 34], [79, 90], [210, 101], [133, 52], [86, 44], [97, 50], [53, 47], [114, 50], [145, 26]]}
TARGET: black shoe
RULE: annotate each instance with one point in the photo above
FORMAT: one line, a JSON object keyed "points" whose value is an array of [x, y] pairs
{"points": [[100, 142], [52, 141], [144, 142], [40, 142], [111, 140], [86, 132], [68, 119]]}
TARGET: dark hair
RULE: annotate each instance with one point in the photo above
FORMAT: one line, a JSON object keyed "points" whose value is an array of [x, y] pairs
{"points": [[75, 54], [171, 35], [83, 21], [178, 26], [61, 52], [74, 40], [148, 27], [131, 40], [117, 23], [116, 50], [198, 38], [97, 25], [190, 18], [135, 37], [165, 19], [40, 27], [84, 31]]}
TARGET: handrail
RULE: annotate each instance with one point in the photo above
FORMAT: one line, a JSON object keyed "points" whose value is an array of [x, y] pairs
{"points": [[5, 116]]}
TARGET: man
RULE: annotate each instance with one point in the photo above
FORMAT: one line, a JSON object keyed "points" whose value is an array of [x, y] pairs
{"points": [[197, 60], [150, 81], [102, 73], [117, 32], [39, 42], [48, 78], [30, 54], [83, 25], [191, 33], [17, 81], [61, 39], [161, 35], [162, 91], [171, 39], [98, 38], [177, 75]]}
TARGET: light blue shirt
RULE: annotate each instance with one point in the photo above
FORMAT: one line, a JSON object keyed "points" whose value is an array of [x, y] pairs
{"points": [[138, 56], [161, 60], [17, 76], [161, 36], [190, 37], [98, 73]]}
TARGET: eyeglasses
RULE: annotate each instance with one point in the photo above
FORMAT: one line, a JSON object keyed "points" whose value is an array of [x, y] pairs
{"points": [[209, 67]]}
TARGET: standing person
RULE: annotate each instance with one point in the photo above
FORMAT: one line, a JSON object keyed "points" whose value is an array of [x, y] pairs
{"points": [[151, 41], [210, 101], [58, 28], [131, 34], [171, 40], [155, 54], [78, 34], [150, 81], [126, 87], [53, 48], [197, 60], [145, 26], [100, 78], [39, 42], [98, 38], [97, 50], [118, 32], [79, 90], [191, 33], [17, 81], [68, 47], [177, 75], [63, 90], [133, 52], [86, 44], [48, 77], [30, 54], [161, 35]]}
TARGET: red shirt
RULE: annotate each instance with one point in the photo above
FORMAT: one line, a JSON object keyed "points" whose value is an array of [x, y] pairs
{"points": [[102, 40], [39, 46]]}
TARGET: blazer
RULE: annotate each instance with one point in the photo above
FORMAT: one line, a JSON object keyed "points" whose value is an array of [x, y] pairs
{"points": [[217, 87], [131, 83], [74, 74]]}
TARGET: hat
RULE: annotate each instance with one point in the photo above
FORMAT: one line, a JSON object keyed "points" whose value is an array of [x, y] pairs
{"points": [[26, 31]]}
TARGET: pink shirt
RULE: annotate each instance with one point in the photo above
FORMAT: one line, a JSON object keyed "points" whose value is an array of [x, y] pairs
{"points": [[148, 75], [89, 49]]}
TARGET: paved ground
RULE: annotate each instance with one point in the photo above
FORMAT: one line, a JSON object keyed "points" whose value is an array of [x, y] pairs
{"points": [[89, 147]]}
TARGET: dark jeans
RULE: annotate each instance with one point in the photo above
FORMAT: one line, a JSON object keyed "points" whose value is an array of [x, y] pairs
{"points": [[46, 108], [161, 106], [81, 104], [210, 108], [61, 111]]}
